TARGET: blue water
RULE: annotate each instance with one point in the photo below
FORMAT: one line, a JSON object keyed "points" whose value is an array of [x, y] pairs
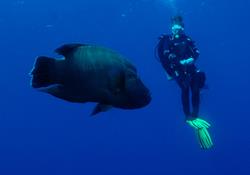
{"points": [[40, 134]]}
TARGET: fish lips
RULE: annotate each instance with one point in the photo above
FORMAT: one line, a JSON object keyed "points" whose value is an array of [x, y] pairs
{"points": [[138, 94]]}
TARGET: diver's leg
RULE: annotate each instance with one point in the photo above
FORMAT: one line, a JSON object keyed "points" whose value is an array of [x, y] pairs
{"points": [[185, 101], [195, 88], [185, 98]]}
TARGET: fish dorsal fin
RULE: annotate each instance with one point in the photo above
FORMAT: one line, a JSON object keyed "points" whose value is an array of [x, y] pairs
{"points": [[67, 49]]}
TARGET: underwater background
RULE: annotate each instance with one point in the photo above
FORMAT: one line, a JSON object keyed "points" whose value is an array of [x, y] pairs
{"points": [[40, 134]]}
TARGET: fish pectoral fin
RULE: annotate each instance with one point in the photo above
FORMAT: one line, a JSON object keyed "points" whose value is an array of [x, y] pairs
{"points": [[61, 92], [100, 108], [52, 89]]}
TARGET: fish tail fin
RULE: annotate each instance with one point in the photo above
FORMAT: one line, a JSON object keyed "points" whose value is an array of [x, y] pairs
{"points": [[44, 72]]}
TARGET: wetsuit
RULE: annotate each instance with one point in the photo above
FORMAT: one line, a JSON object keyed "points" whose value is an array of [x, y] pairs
{"points": [[171, 51]]}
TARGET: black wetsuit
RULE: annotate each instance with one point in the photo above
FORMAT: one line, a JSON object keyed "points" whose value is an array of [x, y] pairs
{"points": [[171, 51]]}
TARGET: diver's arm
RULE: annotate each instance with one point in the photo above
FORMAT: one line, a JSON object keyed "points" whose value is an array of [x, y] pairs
{"points": [[164, 47], [167, 66], [165, 55], [190, 60], [194, 52]]}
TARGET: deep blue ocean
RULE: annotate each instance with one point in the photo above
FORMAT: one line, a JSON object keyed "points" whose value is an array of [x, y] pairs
{"points": [[43, 135]]}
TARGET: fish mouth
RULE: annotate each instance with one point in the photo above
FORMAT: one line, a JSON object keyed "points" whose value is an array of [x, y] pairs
{"points": [[141, 100], [147, 99], [137, 95]]}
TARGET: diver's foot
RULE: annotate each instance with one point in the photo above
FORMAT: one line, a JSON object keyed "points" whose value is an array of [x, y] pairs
{"points": [[201, 128], [204, 139], [198, 123]]}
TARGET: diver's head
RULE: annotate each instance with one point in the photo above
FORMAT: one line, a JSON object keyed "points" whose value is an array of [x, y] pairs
{"points": [[177, 25]]}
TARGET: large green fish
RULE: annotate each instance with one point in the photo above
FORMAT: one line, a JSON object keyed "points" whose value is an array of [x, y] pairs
{"points": [[89, 73]]}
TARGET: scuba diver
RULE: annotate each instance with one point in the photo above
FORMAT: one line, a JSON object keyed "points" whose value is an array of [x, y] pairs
{"points": [[178, 53]]}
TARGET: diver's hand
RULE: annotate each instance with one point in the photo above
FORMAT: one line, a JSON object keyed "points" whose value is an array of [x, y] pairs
{"points": [[187, 61], [171, 56], [165, 52], [169, 78]]}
